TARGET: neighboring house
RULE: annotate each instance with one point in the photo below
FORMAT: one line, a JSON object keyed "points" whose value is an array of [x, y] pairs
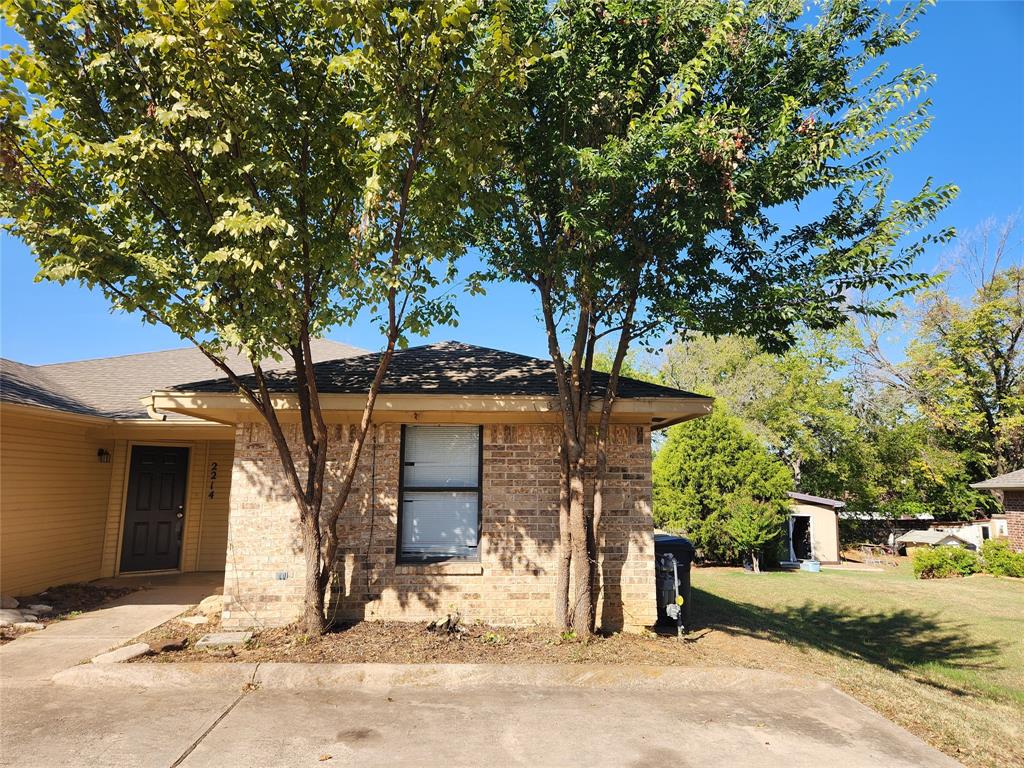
{"points": [[80, 457], [977, 532], [812, 529], [1011, 488], [454, 506], [931, 538]]}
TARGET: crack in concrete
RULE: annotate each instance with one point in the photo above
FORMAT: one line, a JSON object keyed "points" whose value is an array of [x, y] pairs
{"points": [[246, 689]]}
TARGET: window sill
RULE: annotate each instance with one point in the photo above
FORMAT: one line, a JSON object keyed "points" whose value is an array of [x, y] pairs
{"points": [[439, 569]]}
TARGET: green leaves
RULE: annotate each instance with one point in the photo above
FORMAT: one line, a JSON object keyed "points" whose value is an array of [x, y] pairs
{"points": [[245, 172], [664, 145], [702, 468]]}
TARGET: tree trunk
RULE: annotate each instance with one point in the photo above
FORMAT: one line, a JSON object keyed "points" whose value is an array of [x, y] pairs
{"points": [[594, 531], [564, 543], [314, 620], [753, 559], [582, 602], [601, 451]]}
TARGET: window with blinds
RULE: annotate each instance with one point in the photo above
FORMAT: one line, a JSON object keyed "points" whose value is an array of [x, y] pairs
{"points": [[439, 498]]}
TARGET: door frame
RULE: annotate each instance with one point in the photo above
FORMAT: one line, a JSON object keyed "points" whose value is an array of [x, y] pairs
{"points": [[810, 532], [186, 529]]}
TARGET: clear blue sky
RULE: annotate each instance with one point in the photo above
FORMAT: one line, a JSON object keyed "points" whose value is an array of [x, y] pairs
{"points": [[975, 47]]}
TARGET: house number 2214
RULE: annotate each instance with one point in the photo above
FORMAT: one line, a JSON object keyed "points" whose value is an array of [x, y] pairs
{"points": [[213, 478]]}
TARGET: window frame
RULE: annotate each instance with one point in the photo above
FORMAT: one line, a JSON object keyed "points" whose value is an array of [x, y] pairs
{"points": [[403, 559]]}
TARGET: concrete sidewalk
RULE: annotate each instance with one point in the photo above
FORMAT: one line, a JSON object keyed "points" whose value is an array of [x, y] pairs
{"points": [[37, 656], [451, 715]]}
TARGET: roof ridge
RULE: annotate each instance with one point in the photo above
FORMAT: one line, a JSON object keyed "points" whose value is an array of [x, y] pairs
{"points": [[162, 352], [17, 362], [448, 365], [116, 357]]}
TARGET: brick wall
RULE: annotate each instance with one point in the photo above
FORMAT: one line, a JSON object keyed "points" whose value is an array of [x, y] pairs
{"points": [[512, 584], [1014, 503]]}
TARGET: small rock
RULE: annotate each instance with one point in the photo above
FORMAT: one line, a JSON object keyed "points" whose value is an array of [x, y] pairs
{"points": [[175, 644], [6, 601], [195, 621], [28, 626], [224, 639], [26, 616], [211, 605], [10, 615], [41, 610], [122, 654], [221, 653]]}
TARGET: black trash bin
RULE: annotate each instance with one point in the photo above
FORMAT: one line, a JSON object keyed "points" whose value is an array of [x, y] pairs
{"points": [[673, 556]]}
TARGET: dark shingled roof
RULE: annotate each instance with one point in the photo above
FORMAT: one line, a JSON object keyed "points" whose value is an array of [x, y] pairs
{"points": [[112, 386], [447, 368]]}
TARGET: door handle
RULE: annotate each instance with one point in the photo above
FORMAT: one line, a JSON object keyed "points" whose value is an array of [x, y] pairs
{"points": [[180, 513]]}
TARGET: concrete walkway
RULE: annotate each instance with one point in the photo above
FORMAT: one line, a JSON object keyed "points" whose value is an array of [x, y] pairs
{"points": [[37, 656]]}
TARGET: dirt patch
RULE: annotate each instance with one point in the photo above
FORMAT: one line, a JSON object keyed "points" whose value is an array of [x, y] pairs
{"points": [[413, 643], [67, 601]]}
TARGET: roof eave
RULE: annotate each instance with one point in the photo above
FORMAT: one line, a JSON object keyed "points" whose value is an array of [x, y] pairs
{"points": [[50, 412], [985, 486], [227, 407]]}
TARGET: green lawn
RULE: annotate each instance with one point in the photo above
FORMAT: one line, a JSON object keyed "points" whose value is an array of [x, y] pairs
{"points": [[942, 658]]}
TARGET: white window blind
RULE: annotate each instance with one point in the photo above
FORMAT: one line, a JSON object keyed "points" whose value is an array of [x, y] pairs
{"points": [[439, 523], [442, 457], [440, 492]]}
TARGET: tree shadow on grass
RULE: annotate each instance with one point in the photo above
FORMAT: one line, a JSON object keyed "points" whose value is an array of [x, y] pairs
{"points": [[900, 640]]}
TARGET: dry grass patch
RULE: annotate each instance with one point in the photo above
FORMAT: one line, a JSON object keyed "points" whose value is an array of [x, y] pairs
{"points": [[943, 659]]}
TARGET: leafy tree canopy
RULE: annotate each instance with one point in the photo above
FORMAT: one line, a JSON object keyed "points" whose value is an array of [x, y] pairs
{"points": [[794, 402], [238, 171], [705, 464], [963, 372]]}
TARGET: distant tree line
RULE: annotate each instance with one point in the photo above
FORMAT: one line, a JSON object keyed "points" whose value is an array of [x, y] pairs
{"points": [[894, 431]]}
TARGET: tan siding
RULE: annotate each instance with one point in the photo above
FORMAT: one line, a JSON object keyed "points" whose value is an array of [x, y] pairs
{"points": [[824, 529], [112, 534], [53, 503], [193, 505], [213, 539]]}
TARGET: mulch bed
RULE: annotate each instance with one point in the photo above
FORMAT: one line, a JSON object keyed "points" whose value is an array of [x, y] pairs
{"points": [[67, 600], [414, 643]]}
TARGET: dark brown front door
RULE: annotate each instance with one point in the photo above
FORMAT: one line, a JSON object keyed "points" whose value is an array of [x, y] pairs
{"points": [[155, 512]]}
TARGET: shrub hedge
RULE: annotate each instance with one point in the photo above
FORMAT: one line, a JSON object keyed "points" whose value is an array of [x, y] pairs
{"points": [[999, 560], [945, 562]]}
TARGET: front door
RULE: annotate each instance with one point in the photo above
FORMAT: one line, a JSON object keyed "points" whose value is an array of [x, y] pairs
{"points": [[154, 515]]}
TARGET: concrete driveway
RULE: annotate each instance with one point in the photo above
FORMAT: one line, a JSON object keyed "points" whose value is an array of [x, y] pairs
{"points": [[384, 715]]}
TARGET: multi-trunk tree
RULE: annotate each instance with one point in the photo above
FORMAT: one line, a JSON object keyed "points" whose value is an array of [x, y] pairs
{"points": [[251, 175], [709, 166]]}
